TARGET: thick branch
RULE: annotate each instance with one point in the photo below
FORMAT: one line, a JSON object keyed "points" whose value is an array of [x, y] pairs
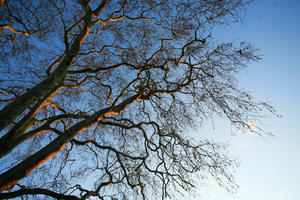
{"points": [[36, 191], [14, 109], [7, 144], [15, 174]]}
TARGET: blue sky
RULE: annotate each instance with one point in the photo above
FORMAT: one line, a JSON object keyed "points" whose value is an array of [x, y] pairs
{"points": [[270, 167]]}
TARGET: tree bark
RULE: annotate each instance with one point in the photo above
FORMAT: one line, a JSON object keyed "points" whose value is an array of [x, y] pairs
{"points": [[18, 193], [8, 141], [18, 172], [8, 144], [9, 113]]}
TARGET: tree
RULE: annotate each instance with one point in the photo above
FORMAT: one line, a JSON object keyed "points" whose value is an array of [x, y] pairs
{"points": [[106, 91]]}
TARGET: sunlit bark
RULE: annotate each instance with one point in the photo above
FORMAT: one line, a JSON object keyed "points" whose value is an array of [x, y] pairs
{"points": [[37, 191], [12, 176]]}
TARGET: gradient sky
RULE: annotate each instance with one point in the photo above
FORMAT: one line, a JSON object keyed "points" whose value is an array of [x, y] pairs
{"points": [[270, 167]]}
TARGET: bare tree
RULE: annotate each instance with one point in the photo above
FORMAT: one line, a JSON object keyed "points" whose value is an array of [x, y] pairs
{"points": [[106, 91]]}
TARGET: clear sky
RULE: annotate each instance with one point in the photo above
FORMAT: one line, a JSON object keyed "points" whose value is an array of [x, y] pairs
{"points": [[270, 167]]}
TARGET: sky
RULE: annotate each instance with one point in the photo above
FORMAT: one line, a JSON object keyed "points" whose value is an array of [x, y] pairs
{"points": [[270, 166]]}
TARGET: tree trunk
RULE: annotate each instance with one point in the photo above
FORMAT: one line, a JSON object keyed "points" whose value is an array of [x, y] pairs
{"points": [[9, 141], [9, 113]]}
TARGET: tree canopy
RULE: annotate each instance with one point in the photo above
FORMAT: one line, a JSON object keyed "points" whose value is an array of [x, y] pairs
{"points": [[98, 96]]}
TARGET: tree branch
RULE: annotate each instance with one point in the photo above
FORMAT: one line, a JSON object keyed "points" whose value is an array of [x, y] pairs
{"points": [[37, 191]]}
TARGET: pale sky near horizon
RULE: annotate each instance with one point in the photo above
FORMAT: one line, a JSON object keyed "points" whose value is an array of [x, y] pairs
{"points": [[270, 167]]}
